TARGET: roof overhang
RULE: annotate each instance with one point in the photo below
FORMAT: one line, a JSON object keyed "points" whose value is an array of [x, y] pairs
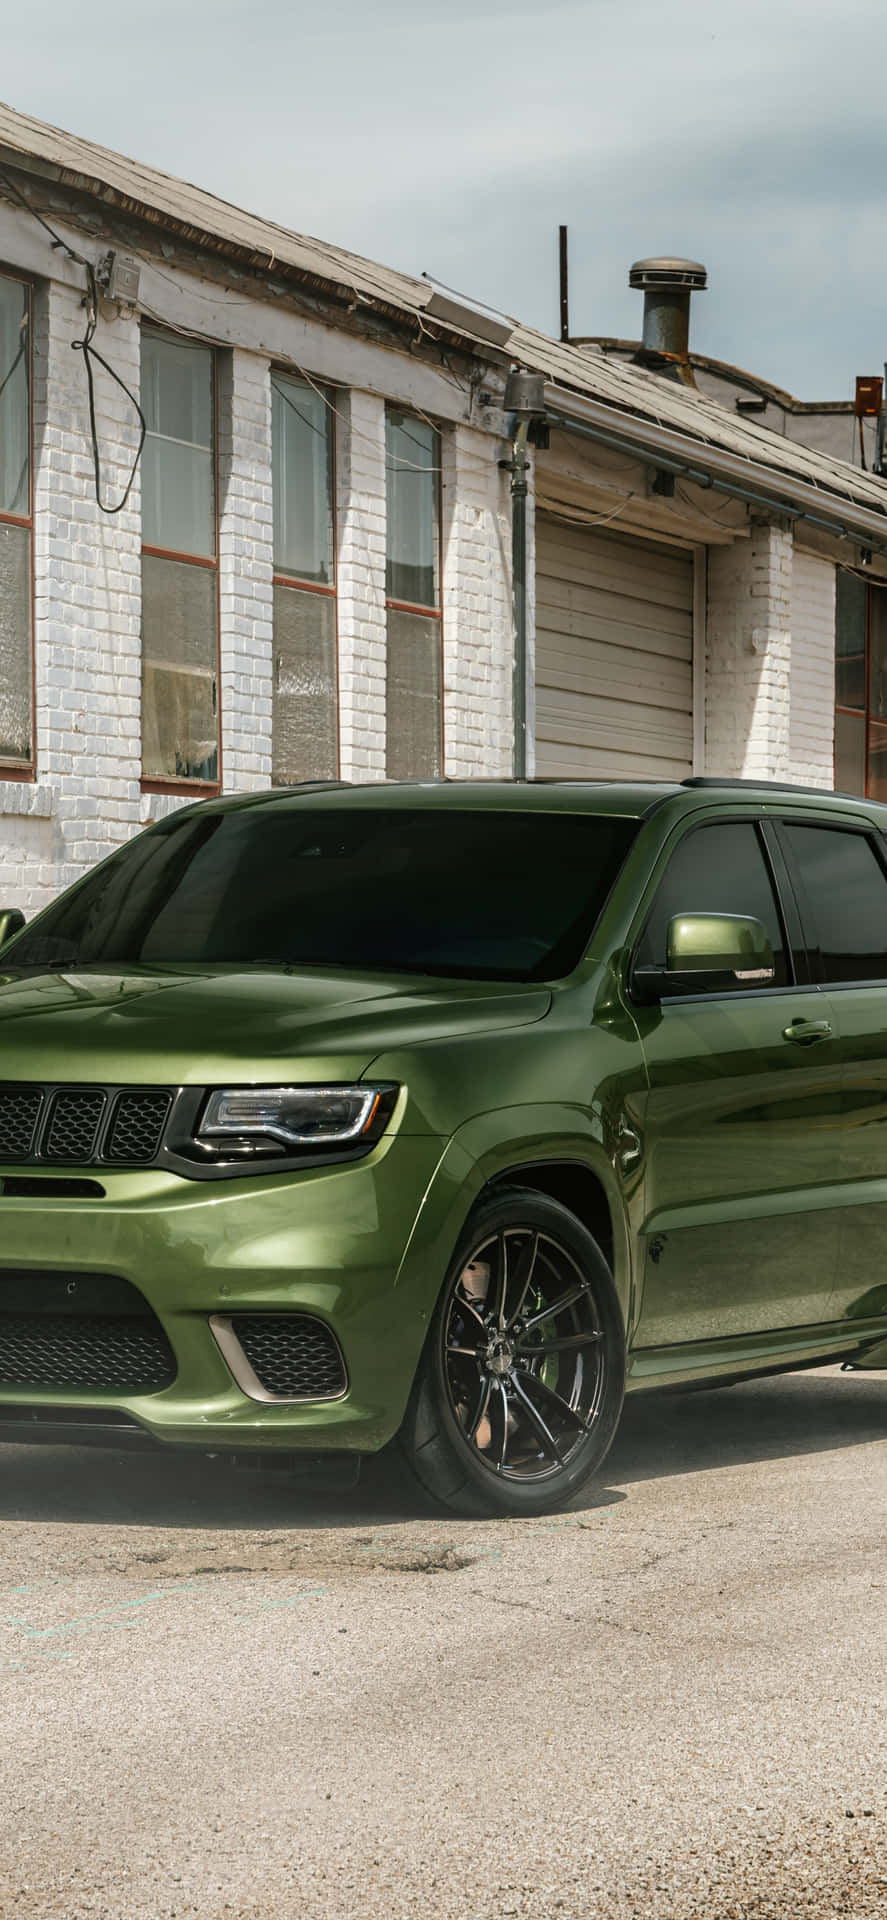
{"points": [[711, 466]]}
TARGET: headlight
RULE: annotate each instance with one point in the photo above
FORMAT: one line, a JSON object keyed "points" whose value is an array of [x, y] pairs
{"points": [[244, 1120]]}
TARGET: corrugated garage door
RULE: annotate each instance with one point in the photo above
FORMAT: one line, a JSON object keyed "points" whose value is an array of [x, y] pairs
{"points": [[614, 655]]}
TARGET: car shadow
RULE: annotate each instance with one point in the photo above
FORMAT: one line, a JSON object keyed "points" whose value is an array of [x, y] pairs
{"points": [[662, 1434]]}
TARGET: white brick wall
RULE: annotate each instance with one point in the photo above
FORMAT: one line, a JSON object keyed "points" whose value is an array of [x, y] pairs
{"points": [[361, 519], [87, 601], [748, 661], [812, 712], [246, 557], [476, 608]]}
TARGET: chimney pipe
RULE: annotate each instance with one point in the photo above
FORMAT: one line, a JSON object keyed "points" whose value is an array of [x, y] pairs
{"points": [[667, 285]]}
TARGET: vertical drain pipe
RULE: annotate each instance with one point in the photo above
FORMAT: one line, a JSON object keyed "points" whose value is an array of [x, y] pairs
{"points": [[525, 400]]}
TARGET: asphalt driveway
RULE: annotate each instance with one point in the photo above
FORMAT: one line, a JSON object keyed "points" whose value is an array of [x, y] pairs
{"points": [[222, 1697]]}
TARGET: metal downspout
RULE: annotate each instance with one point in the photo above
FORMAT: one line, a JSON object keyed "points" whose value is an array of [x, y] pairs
{"points": [[520, 466]]}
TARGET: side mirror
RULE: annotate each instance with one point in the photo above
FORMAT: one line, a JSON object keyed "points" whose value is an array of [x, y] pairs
{"points": [[705, 951], [11, 921]]}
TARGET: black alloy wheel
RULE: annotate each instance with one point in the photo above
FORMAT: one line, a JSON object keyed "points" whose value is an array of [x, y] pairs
{"points": [[521, 1384]]}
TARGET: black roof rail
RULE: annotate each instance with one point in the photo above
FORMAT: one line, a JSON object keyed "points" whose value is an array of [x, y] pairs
{"points": [[723, 783]]}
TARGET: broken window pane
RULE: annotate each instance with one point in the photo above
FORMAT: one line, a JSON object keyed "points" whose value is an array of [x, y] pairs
{"points": [[301, 443], [305, 710], [413, 697], [15, 413], [180, 724], [15, 644]]}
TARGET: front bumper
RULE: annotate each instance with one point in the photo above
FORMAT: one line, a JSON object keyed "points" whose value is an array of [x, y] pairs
{"points": [[330, 1243]]}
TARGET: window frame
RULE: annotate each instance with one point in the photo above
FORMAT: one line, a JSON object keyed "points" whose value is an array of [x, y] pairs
{"points": [[863, 830], [199, 789], [280, 579], [25, 770], [796, 946], [410, 606], [863, 713]]}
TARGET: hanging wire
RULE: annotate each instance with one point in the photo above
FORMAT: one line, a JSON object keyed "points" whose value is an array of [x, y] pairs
{"points": [[90, 353]]}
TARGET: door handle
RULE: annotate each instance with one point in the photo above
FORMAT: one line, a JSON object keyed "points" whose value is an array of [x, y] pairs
{"points": [[806, 1032]]}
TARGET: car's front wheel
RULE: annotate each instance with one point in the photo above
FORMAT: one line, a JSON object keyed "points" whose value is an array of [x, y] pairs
{"points": [[520, 1386]]}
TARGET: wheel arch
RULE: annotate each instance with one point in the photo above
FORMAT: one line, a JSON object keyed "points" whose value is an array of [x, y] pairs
{"points": [[575, 1185]]}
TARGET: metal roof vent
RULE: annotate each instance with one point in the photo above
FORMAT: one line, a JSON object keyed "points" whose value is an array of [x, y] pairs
{"points": [[667, 285]]}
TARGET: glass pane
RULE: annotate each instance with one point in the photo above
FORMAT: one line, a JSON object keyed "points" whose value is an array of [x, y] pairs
{"points": [[305, 707], [413, 461], [15, 432], [844, 900], [877, 781], [301, 442], [15, 643], [413, 699], [180, 725], [717, 869], [849, 640], [468, 892], [877, 653], [850, 752], [178, 478]]}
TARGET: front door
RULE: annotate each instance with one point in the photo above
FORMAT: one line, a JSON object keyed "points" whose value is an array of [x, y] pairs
{"points": [[742, 1115]]}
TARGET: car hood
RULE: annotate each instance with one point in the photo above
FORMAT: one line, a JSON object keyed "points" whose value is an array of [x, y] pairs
{"points": [[198, 1025]]}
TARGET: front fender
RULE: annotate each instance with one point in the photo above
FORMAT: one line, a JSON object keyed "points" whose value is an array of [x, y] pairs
{"points": [[481, 1151]]}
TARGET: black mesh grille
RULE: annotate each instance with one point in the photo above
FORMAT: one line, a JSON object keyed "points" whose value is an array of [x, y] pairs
{"points": [[291, 1354], [82, 1126], [74, 1121], [19, 1113], [92, 1351], [137, 1126]]}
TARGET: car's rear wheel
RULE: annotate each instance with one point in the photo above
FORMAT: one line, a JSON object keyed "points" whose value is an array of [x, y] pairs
{"points": [[520, 1386]]}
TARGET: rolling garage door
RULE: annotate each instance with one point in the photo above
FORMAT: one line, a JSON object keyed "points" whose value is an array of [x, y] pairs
{"points": [[614, 655]]}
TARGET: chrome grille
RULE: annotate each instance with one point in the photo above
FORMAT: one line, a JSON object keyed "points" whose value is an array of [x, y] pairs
{"points": [[75, 1116]]}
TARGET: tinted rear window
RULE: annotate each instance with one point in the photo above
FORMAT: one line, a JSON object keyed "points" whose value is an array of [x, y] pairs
{"points": [[844, 900], [510, 896]]}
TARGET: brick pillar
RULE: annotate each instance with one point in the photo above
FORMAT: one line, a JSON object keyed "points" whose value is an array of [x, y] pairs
{"points": [[361, 521], [748, 666], [246, 552], [87, 588], [812, 729], [477, 633]]}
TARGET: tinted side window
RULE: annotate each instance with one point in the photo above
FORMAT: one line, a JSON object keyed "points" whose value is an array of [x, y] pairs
{"points": [[716, 869], [843, 898]]}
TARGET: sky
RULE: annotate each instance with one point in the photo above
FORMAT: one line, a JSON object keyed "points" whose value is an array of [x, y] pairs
{"points": [[454, 138]]}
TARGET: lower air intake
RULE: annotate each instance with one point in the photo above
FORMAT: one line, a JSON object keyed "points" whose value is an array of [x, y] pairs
{"points": [[293, 1356], [96, 1352]]}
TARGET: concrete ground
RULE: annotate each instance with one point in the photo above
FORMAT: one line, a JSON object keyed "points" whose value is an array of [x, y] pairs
{"points": [[222, 1697]]}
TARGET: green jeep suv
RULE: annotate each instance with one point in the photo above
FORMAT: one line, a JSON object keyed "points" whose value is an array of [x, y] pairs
{"points": [[445, 1112]]}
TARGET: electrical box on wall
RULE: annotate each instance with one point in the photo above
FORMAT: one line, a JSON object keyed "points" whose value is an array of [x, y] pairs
{"points": [[118, 276]]}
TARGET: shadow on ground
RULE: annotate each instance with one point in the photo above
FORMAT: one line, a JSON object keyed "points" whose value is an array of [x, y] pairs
{"points": [[661, 1434]]}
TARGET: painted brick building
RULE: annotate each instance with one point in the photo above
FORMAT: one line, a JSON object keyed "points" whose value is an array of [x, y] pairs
{"points": [[311, 573]]}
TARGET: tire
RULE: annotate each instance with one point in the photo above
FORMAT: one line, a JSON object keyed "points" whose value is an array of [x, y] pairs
{"points": [[520, 1386]]}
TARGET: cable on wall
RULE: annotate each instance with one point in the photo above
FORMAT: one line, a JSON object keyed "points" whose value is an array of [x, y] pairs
{"points": [[90, 353]]}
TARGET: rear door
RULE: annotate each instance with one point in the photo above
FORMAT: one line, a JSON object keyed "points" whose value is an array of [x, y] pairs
{"points": [[742, 1119], [839, 873]]}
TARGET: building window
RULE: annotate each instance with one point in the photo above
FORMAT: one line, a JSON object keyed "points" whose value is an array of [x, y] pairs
{"points": [[180, 598], [305, 715], [16, 658], [860, 686], [413, 692]]}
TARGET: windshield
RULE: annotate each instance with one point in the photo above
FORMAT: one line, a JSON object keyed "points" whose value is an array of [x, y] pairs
{"points": [[479, 894]]}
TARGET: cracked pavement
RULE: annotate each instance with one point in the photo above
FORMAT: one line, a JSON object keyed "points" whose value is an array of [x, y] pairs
{"points": [[224, 1697]]}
